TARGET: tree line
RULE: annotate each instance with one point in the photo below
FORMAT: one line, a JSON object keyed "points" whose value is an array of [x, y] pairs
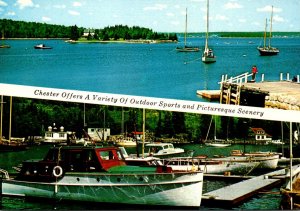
{"points": [[31, 117], [21, 29]]}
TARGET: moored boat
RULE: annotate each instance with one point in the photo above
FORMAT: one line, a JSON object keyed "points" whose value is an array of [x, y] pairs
{"points": [[208, 55], [162, 150], [186, 48], [42, 46], [99, 174], [209, 166], [267, 160], [268, 50]]}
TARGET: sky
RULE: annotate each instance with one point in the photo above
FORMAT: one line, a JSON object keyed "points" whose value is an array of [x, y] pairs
{"points": [[158, 15]]}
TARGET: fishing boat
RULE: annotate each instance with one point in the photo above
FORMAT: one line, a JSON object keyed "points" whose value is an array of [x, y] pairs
{"points": [[268, 50], [162, 150], [208, 54], [42, 46], [99, 174], [209, 166], [186, 48]]}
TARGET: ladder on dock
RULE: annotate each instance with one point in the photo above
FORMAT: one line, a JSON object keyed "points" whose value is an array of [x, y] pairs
{"points": [[230, 89], [238, 192]]}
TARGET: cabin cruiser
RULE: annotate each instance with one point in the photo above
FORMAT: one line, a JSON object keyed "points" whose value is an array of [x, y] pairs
{"points": [[100, 174]]}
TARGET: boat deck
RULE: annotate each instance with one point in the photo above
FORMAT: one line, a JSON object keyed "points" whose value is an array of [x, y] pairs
{"points": [[238, 192]]}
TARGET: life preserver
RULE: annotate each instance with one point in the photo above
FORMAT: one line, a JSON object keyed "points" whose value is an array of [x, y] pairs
{"points": [[57, 171]]}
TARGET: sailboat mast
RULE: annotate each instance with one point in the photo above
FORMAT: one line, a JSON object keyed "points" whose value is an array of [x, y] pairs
{"points": [[1, 120], [10, 117], [185, 32], [144, 128], [265, 35], [271, 28], [207, 25]]}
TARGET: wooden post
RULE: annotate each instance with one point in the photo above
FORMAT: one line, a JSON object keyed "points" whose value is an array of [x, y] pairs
{"points": [[281, 76], [246, 77], [298, 79], [287, 77], [262, 77]]}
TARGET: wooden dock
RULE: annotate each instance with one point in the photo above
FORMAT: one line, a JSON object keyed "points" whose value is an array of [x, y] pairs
{"points": [[236, 193], [282, 94], [209, 94]]}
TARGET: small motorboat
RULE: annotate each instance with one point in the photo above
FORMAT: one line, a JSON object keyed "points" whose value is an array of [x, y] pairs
{"points": [[42, 46]]}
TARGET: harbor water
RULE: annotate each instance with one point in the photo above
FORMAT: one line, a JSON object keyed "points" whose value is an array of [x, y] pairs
{"points": [[262, 201], [154, 70]]}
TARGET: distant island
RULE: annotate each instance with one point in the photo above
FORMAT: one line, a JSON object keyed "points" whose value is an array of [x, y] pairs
{"points": [[120, 33], [10, 29]]}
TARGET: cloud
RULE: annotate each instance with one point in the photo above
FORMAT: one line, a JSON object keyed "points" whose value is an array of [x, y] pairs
{"points": [[156, 7], [2, 3], [11, 14], [232, 5], [277, 18], [77, 4], [59, 6], [72, 12], [242, 20], [46, 19], [268, 8], [221, 17], [26, 3]]}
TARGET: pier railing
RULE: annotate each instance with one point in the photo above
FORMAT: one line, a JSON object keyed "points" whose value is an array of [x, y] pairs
{"points": [[243, 78]]}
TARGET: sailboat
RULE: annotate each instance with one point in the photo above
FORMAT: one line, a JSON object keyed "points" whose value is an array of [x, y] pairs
{"points": [[3, 45], [216, 142], [10, 144], [268, 50], [208, 54], [186, 48]]}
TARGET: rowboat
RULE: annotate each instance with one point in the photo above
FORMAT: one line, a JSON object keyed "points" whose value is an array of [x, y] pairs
{"points": [[99, 174]]}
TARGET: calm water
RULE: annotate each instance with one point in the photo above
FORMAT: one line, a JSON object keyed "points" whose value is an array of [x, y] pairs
{"points": [[154, 70], [9, 159]]}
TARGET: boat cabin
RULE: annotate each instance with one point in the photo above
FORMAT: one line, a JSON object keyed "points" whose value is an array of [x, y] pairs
{"points": [[79, 159], [72, 159]]}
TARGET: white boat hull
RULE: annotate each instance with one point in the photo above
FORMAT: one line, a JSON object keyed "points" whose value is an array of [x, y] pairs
{"points": [[269, 162], [170, 189]]}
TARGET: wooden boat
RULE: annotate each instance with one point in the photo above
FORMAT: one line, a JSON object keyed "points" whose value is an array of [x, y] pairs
{"points": [[126, 142], [208, 54], [162, 150], [268, 50], [209, 166], [99, 174], [186, 48], [268, 160], [42, 46]]}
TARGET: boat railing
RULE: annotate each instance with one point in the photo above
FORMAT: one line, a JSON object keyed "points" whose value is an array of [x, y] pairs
{"points": [[4, 174]]}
